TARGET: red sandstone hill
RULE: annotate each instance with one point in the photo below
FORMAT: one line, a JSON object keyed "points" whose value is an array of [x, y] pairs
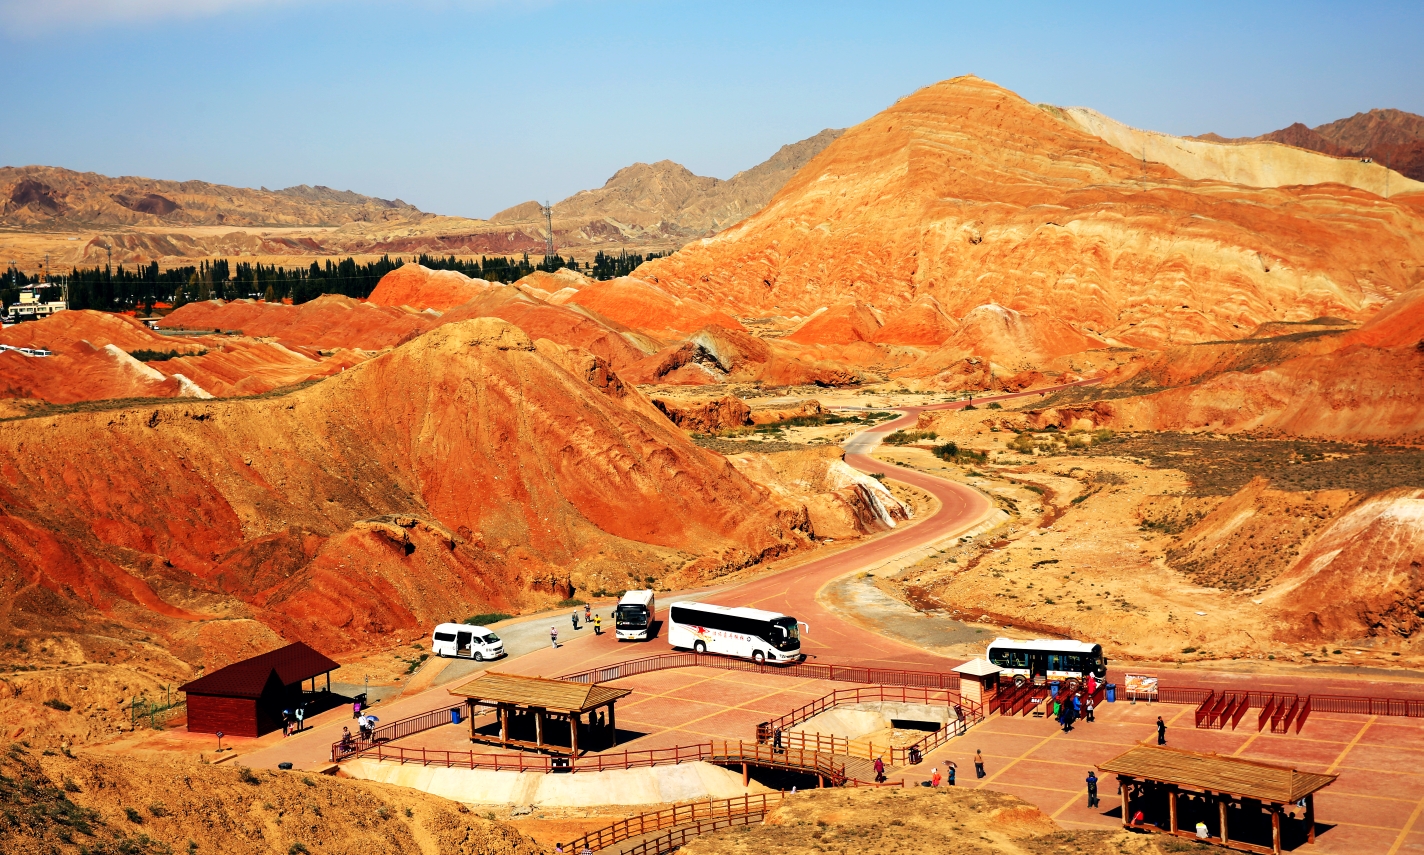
{"points": [[421, 288], [92, 360], [465, 471], [967, 193], [1362, 384], [329, 321]]}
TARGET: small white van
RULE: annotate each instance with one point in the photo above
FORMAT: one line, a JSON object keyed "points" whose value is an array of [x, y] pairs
{"points": [[462, 641]]}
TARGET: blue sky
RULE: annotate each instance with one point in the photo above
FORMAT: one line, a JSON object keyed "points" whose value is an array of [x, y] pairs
{"points": [[469, 106]]}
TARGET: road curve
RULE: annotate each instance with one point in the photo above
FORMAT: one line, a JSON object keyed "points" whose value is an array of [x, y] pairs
{"points": [[793, 591]]}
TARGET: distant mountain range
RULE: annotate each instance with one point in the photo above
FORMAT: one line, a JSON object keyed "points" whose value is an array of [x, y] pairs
{"points": [[51, 196], [1392, 137], [658, 205]]}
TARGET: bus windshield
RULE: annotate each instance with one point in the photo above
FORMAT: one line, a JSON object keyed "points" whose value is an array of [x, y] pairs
{"points": [[630, 616], [785, 635]]}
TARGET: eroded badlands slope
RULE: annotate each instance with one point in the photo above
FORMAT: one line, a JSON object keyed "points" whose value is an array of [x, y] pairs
{"points": [[466, 471]]}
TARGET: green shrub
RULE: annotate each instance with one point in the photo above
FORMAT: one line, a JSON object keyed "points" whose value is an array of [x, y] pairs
{"points": [[134, 816], [571, 601], [995, 406], [160, 355], [487, 618], [907, 437]]}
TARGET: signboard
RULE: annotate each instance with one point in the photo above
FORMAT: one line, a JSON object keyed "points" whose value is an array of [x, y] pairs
{"points": [[1140, 686]]}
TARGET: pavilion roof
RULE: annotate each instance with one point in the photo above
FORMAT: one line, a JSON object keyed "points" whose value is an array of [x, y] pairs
{"points": [[539, 692], [1218, 774]]}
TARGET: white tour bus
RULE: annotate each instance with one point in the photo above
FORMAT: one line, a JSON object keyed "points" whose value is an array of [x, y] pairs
{"points": [[633, 618], [748, 633], [463, 641], [1048, 659]]}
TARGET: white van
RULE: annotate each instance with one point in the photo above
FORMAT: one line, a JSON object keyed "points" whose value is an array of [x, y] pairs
{"points": [[462, 641]]}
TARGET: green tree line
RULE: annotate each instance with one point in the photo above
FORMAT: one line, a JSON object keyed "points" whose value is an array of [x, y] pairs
{"points": [[142, 287]]}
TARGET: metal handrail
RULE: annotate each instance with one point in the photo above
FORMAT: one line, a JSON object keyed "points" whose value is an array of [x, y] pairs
{"points": [[719, 751], [839, 673], [678, 815]]}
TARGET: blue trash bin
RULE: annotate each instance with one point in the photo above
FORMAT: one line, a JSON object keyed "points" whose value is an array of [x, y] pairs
{"points": [[455, 715], [1111, 689], [1053, 687]]}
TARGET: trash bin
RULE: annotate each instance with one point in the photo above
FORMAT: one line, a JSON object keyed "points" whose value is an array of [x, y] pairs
{"points": [[1111, 690], [1053, 687], [455, 715]]}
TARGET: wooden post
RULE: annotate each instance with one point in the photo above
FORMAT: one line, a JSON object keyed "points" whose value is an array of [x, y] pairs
{"points": [[539, 728], [1276, 829], [1310, 818], [1172, 807], [1124, 786], [503, 724], [612, 726], [470, 714], [328, 681], [575, 718], [746, 775], [1221, 809]]}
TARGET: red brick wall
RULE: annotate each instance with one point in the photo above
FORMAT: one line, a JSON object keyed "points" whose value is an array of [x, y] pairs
{"points": [[232, 716]]}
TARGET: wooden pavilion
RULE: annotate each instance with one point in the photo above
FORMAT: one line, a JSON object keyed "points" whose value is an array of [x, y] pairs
{"points": [[517, 696], [1172, 788]]}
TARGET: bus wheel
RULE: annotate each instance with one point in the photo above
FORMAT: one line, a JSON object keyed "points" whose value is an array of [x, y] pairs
{"points": [[1071, 685], [759, 658], [1019, 681], [699, 647]]}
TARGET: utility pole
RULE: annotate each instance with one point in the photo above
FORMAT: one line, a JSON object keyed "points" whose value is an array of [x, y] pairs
{"points": [[548, 211]]}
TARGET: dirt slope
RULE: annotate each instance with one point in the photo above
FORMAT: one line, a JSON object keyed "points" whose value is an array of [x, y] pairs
{"points": [[967, 193], [895, 821], [156, 807], [463, 472]]}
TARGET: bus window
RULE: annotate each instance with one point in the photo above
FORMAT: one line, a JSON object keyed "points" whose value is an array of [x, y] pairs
{"points": [[1056, 662]]}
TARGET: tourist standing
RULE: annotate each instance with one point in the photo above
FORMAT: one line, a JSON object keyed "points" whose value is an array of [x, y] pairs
{"points": [[978, 764], [598, 624], [879, 770], [1088, 708], [935, 778], [1092, 789], [1161, 731], [574, 617], [950, 768], [554, 636]]}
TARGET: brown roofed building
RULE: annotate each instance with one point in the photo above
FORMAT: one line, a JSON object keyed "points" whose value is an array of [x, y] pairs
{"points": [[246, 698]]}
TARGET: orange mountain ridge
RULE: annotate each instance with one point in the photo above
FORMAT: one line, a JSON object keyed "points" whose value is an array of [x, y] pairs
{"points": [[969, 194]]}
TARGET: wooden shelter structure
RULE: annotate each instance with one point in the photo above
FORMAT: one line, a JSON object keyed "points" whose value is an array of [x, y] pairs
{"points": [[1165, 789], [543, 699], [247, 697]]}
